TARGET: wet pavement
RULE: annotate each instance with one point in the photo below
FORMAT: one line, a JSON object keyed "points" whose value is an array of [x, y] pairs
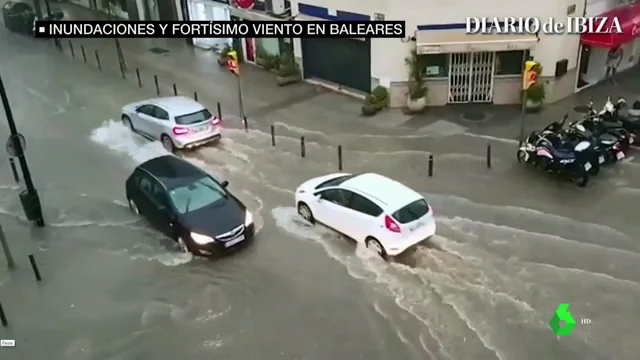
{"points": [[511, 244]]}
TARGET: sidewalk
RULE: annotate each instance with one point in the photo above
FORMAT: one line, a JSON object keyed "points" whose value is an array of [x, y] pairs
{"points": [[191, 69]]}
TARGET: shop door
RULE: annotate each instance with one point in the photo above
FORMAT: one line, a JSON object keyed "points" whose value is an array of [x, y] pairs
{"points": [[471, 77], [345, 62]]}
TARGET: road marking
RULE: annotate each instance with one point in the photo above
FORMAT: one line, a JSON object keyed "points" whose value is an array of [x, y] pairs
{"points": [[7, 343], [44, 98]]}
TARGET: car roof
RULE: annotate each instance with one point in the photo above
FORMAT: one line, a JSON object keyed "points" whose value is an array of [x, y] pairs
{"points": [[390, 193], [172, 171], [178, 105]]}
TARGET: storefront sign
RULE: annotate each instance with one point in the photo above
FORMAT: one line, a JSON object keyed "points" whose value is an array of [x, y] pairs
{"points": [[245, 4]]}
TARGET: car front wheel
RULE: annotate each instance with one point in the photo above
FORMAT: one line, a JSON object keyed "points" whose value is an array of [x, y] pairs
{"points": [[374, 245], [305, 212], [126, 121], [133, 207]]}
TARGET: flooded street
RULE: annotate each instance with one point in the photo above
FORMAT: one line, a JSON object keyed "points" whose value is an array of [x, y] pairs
{"points": [[511, 244]]}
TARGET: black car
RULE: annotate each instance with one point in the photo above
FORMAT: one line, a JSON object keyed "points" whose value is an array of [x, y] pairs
{"points": [[189, 206], [20, 17]]}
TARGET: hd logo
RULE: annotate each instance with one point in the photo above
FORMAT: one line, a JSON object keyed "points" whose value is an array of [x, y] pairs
{"points": [[562, 322]]}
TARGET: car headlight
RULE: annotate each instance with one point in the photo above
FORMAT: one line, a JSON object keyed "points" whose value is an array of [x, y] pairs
{"points": [[248, 219], [201, 239]]}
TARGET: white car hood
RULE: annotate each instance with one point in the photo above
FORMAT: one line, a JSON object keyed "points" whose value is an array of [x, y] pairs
{"points": [[310, 185]]}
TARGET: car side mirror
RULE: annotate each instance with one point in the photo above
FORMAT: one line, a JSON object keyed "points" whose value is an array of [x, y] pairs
{"points": [[224, 184]]}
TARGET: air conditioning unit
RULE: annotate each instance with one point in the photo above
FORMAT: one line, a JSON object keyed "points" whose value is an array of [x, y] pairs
{"points": [[275, 6]]}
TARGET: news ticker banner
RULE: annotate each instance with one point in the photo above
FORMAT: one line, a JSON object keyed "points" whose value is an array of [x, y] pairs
{"points": [[220, 29]]}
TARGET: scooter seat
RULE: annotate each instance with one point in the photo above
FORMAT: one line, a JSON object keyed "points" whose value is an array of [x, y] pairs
{"points": [[607, 139], [612, 124], [562, 153]]}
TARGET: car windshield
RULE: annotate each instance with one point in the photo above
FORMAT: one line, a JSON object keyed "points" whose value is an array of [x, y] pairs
{"points": [[200, 193], [335, 182], [193, 118], [412, 212]]}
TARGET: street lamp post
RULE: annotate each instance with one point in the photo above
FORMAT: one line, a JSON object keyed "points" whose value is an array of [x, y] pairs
{"points": [[29, 197]]}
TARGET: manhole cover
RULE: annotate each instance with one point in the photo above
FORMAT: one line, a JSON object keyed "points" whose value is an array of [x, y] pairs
{"points": [[157, 50], [474, 116], [583, 109]]}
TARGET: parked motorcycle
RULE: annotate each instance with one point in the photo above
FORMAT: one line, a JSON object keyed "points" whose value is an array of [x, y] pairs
{"points": [[568, 140], [630, 122], [604, 122], [605, 145], [546, 152]]}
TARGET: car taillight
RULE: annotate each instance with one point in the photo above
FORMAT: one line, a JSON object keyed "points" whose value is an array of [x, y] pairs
{"points": [[431, 211], [180, 130], [391, 225], [216, 121]]}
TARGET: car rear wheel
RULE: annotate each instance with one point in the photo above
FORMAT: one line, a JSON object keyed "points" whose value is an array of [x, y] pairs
{"points": [[374, 245], [305, 212], [126, 121], [167, 143], [133, 207]]}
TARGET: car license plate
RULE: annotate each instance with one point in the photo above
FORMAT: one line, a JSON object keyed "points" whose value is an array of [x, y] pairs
{"points": [[202, 128], [601, 159], [587, 166], [230, 243], [620, 155]]}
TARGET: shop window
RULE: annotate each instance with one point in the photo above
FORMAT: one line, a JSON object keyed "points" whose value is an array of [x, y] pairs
{"points": [[510, 62], [435, 65]]}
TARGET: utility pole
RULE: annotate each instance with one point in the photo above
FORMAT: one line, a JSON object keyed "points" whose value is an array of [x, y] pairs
{"points": [[28, 197]]}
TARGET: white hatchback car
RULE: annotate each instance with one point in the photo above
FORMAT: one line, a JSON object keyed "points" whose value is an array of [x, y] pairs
{"points": [[177, 121], [372, 209]]}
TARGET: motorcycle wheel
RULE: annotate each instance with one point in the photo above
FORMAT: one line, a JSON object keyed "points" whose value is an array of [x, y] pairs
{"points": [[522, 156], [595, 168], [581, 179]]}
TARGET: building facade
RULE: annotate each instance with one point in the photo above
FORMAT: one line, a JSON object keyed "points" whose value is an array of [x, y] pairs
{"points": [[459, 68], [239, 10]]}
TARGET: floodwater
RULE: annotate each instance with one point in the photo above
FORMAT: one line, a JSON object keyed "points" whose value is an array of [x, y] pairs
{"points": [[511, 245]]}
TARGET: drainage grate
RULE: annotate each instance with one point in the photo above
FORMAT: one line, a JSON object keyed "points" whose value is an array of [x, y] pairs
{"points": [[474, 116], [158, 50]]}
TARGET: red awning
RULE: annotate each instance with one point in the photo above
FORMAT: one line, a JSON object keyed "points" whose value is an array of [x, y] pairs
{"points": [[629, 18]]}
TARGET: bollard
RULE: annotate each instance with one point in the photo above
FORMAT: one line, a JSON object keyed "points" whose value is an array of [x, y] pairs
{"points": [[219, 111], [122, 71], [139, 78], [175, 89], [98, 60], [84, 54], [34, 266], [155, 79], [3, 317], [245, 123], [14, 170], [303, 150], [340, 157], [7, 251], [195, 95], [73, 54], [430, 165], [489, 155], [273, 135]]}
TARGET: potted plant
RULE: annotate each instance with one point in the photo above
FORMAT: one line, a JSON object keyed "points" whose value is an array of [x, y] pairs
{"points": [[288, 71], [417, 94], [377, 100], [222, 58], [263, 57], [535, 97]]}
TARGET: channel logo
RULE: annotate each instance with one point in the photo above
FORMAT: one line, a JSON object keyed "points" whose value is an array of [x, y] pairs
{"points": [[7, 343]]}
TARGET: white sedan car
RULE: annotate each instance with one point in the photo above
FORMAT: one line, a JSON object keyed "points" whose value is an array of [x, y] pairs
{"points": [[372, 209], [177, 121]]}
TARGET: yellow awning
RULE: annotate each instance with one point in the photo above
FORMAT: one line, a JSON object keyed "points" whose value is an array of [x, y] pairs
{"points": [[457, 41]]}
